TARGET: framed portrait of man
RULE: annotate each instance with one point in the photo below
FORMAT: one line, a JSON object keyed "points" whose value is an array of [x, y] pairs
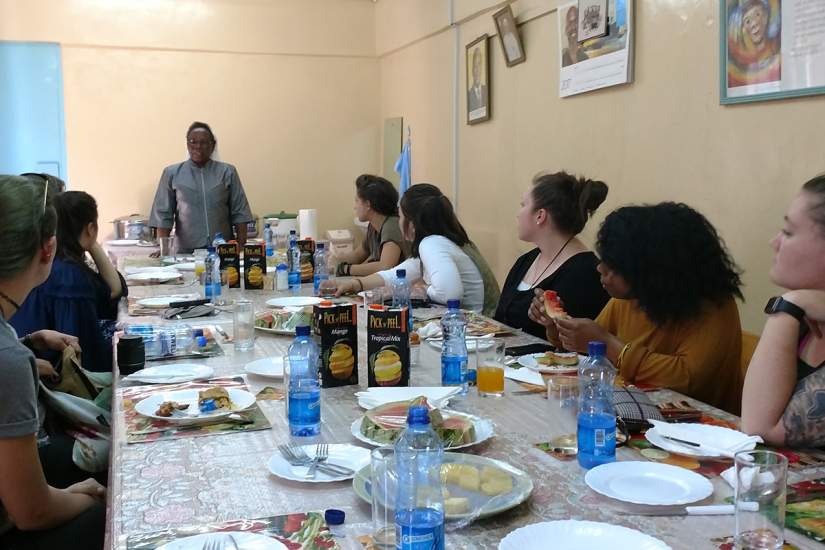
{"points": [[478, 80], [592, 19], [509, 37]]}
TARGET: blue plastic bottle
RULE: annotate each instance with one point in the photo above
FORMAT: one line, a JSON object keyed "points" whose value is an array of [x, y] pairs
{"points": [[401, 295], [454, 348], [218, 240], [268, 240], [212, 275], [304, 406], [596, 431], [419, 506], [321, 271], [294, 257]]}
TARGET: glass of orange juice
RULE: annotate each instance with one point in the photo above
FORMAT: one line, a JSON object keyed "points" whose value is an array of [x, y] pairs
{"points": [[490, 368]]}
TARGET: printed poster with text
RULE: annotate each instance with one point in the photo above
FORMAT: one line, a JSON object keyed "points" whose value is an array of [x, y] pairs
{"points": [[772, 47], [597, 62]]}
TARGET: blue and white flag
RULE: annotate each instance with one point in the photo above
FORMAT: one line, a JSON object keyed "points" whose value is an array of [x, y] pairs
{"points": [[403, 166]]}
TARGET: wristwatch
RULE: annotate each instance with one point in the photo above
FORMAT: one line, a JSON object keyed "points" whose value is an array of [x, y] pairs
{"points": [[777, 304]]}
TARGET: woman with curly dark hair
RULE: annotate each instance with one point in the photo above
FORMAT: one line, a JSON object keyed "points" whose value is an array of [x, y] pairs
{"points": [[672, 320]]}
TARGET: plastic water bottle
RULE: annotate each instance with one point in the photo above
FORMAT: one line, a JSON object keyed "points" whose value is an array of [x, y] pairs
{"points": [[218, 240], [270, 252], [454, 347], [294, 256], [321, 272], [596, 431], [401, 295], [304, 406], [212, 276], [419, 506]]}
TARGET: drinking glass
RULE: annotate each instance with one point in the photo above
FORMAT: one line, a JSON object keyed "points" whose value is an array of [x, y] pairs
{"points": [[760, 499], [327, 288], [168, 249], [373, 297], [243, 318], [490, 368], [563, 397], [383, 489]]}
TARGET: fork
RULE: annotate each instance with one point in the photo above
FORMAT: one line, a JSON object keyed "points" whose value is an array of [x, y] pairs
{"points": [[296, 456], [321, 454]]}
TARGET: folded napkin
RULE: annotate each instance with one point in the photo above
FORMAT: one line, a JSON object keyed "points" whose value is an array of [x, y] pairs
{"points": [[430, 330], [528, 376], [748, 475], [438, 397], [715, 439]]}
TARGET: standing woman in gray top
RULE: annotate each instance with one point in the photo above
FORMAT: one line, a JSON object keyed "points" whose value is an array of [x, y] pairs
{"points": [[200, 196], [33, 513], [376, 202]]}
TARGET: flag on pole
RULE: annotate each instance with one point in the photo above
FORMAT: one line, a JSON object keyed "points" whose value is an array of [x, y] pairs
{"points": [[403, 166]]}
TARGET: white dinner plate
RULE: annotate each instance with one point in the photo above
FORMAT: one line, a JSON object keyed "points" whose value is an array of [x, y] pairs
{"points": [[481, 505], [715, 436], [242, 540], [185, 266], [165, 275], [162, 302], [341, 454], [473, 344], [530, 362], [484, 430], [651, 483], [269, 367], [572, 534], [149, 406], [123, 242], [294, 301], [172, 373]]}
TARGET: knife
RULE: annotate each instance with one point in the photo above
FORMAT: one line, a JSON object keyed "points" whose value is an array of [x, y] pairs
{"points": [[701, 446], [710, 510]]}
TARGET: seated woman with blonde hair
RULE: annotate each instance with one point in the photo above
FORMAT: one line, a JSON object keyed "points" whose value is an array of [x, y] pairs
{"points": [[784, 395], [672, 320]]}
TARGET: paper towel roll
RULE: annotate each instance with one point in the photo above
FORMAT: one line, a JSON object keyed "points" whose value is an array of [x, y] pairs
{"points": [[308, 223]]}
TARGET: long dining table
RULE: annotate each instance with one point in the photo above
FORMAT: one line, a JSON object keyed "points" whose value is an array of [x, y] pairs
{"points": [[202, 480]]}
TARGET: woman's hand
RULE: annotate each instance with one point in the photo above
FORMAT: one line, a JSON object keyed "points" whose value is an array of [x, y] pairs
{"points": [[813, 302], [348, 286], [51, 340], [46, 371], [576, 333], [88, 487], [536, 311]]}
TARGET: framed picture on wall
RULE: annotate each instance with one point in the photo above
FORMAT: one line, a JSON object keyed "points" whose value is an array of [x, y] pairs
{"points": [[770, 49], [592, 19], [509, 37], [477, 61]]}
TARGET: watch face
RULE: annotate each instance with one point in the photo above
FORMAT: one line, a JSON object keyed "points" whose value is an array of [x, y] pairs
{"points": [[770, 307]]}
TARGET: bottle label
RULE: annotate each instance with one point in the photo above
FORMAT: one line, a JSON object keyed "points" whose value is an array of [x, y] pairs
{"points": [[453, 370], [599, 437]]}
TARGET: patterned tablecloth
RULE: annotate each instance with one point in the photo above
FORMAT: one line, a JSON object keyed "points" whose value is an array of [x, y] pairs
{"points": [[181, 482]]}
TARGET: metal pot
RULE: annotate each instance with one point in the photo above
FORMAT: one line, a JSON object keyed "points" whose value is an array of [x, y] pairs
{"points": [[133, 226]]}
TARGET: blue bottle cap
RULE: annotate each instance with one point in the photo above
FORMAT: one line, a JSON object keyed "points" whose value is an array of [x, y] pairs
{"points": [[320, 246], [453, 304], [197, 332], [208, 405], [202, 341], [401, 273], [334, 517], [418, 416], [282, 267], [596, 349], [293, 232], [302, 330]]}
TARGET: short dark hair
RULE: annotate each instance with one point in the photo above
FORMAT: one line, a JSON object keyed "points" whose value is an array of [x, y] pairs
{"points": [[26, 222], [569, 200], [380, 193], [431, 213], [816, 186], [75, 210], [671, 257], [201, 126]]}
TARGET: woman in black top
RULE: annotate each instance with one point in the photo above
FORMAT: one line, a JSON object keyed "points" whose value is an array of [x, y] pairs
{"points": [[553, 211]]}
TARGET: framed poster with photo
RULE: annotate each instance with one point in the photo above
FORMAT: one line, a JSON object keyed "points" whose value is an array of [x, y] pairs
{"points": [[509, 37], [478, 80], [588, 64], [592, 19], [771, 49]]}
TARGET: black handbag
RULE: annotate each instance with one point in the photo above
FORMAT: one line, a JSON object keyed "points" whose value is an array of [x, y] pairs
{"points": [[634, 407]]}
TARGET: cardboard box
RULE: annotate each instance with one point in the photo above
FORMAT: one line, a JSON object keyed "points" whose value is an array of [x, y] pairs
{"points": [[230, 263], [254, 263], [338, 327], [388, 346]]}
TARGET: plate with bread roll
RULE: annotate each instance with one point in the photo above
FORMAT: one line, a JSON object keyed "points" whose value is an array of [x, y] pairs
{"points": [[552, 362]]}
